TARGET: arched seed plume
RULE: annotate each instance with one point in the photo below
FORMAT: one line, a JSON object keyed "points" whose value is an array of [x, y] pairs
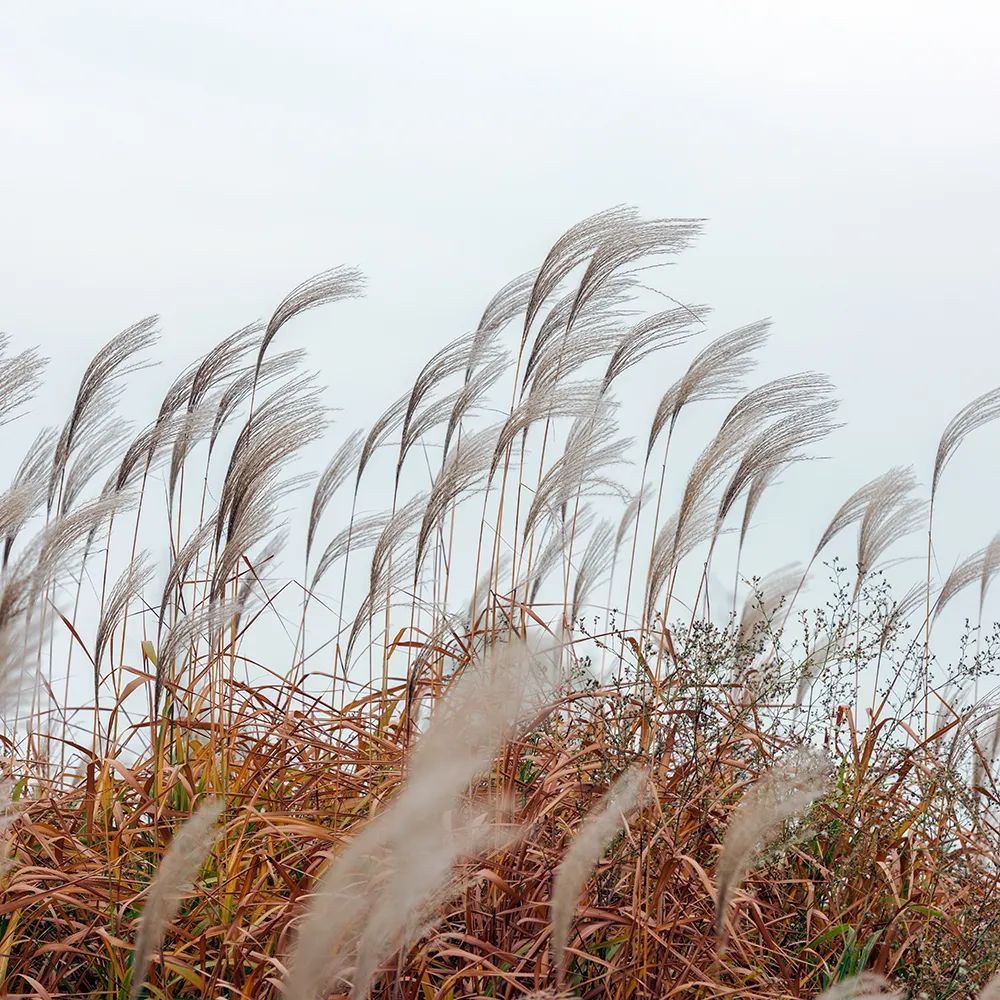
{"points": [[636, 502], [556, 352], [477, 385], [594, 563], [128, 586], [569, 252], [766, 598], [625, 245], [991, 566], [321, 289], [384, 425], [776, 446], [356, 917], [982, 410], [546, 402], [343, 463], [966, 572], [508, 303], [591, 450], [362, 534], [20, 377], [96, 394], [890, 514], [653, 333], [466, 466], [28, 489], [450, 360], [246, 383], [717, 371]]}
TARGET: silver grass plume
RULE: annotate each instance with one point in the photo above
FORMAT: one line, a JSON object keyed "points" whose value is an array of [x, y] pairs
{"points": [[901, 610], [287, 421], [591, 449], [854, 507], [361, 534], [27, 490], [221, 362], [147, 449], [966, 572], [206, 621], [508, 303], [450, 360], [636, 502], [257, 519], [106, 440], [625, 245], [174, 877], [548, 401], [765, 599], [98, 387], [333, 285], [784, 792], [759, 485], [560, 533], [594, 563], [652, 333], [253, 581], [566, 357], [20, 377], [128, 586], [394, 573], [584, 851], [671, 546], [248, 381], [716, 372], [825, 648], [433, 414], [983, 761], [417, 880], [689, 524], [182, 562], [477, 385], [465, 467], [569, 252], [190, 428], [481, 592], [557, 351], [343, 463], [981, 411], [389, 420], [386, 563], [891, 514], [779, 444], [50, 555], [190, 394], [990, 568]]}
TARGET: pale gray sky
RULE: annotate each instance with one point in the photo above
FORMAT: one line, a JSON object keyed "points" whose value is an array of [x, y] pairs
{"points": [[197, 160]]}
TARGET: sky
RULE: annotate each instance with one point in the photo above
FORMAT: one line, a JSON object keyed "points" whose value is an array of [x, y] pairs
{"points": [[198, 160]]}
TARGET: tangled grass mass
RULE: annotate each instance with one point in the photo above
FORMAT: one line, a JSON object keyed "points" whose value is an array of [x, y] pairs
{"points": [[490, 734]]}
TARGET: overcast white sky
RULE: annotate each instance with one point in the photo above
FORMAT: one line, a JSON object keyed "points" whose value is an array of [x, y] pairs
{"points": [[197, 160]]}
